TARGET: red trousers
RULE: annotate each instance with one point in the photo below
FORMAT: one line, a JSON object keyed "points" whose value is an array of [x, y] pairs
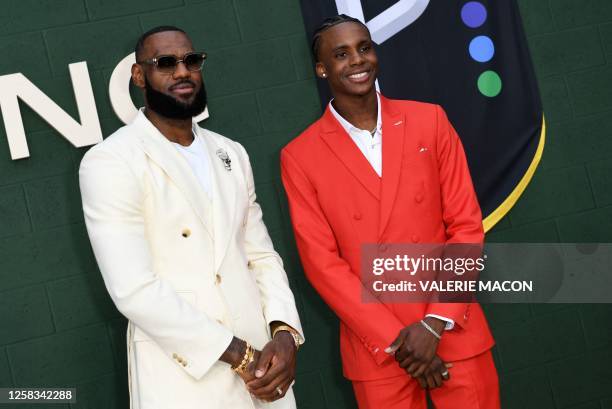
{"points": [[473, 384]]}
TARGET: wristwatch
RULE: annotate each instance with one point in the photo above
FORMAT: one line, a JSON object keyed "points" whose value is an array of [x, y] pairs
{"points": [[294, 334]]}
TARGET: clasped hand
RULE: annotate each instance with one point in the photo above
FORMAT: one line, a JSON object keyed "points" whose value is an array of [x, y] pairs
{"points": [[415, 351], [270, 375]]}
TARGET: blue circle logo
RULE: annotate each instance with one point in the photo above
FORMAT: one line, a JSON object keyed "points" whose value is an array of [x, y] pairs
{"points": [[473, 14], [482, 49]]}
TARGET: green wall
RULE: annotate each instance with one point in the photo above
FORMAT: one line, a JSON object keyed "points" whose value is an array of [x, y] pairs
{"points": [[58, 326]]}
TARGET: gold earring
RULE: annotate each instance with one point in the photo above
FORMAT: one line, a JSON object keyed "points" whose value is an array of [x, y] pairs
{"points": [[324, 75]]}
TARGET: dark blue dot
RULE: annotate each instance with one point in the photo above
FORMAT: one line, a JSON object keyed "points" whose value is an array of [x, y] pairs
{"points": [[473, 14]]}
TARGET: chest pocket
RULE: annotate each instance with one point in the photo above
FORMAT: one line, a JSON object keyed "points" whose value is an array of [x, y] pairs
{"points": [[419, 156], [419, 174]]}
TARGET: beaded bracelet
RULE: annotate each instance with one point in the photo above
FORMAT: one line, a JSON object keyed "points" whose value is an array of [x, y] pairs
{"points": [[249, 356]]}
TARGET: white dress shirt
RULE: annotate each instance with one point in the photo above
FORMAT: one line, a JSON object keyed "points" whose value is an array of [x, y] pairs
{"points": [[371, 147], [197, 157]]}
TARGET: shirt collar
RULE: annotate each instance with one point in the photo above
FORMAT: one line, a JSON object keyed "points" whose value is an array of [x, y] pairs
{"points": [[348, 127]]}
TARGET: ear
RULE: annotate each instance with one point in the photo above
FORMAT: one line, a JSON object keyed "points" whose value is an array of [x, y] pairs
{"points": [[320, 70], [138, 75]]}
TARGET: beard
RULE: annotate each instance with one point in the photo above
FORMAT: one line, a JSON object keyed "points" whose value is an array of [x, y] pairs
{"points": [[172, 108]]}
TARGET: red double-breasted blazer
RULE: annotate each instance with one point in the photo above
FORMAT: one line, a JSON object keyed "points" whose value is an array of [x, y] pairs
{"points": [[338, 202]]}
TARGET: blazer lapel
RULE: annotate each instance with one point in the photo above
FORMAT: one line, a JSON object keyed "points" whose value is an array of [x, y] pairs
{"points": [[349, 154], [393, 128], [161, 151], [224, 194]]}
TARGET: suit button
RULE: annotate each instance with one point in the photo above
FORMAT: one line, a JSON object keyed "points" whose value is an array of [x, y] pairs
{"points": [[415, 238], [217, 279], [418, 198], [186, 233], [357, 216]]}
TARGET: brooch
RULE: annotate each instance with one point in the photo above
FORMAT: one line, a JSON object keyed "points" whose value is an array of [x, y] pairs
{"points": [[227, 162]]}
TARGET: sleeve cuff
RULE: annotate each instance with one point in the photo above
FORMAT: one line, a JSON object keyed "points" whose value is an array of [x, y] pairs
{"points": [[287, 316], [450, 324]]}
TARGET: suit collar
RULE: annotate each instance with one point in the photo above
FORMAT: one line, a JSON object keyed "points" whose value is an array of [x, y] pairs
{"points": [[224, 191], [393, 131], [394, 128], [160, 150], [329, 123], [341, 144]]}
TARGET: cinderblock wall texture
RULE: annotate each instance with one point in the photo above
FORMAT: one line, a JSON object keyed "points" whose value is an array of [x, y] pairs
{"points": [[58, 327], [557, 356]]}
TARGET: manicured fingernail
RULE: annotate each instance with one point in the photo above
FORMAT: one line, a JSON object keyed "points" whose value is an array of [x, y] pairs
{"points": [[259, 373]]}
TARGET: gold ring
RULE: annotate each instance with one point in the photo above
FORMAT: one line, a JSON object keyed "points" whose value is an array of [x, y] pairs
{"points": [[279, 390]]}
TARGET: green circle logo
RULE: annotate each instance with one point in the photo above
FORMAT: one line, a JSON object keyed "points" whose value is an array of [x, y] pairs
{"points": [[489, 84]]}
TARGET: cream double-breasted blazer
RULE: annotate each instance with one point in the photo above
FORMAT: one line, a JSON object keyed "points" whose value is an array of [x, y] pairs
{"points": [[189, 273]]}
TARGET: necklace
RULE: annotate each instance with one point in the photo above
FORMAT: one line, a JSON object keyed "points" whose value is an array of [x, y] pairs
{"points": [[372, 133]]}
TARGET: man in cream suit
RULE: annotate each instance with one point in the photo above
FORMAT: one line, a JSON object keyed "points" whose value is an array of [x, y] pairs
{"points": [[171, 214]]}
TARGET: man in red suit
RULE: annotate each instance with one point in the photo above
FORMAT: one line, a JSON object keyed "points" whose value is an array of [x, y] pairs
{"points": [[376, 170]]}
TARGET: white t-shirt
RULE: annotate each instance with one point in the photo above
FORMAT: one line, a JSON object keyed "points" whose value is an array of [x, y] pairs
{"points": [[197, 157]]}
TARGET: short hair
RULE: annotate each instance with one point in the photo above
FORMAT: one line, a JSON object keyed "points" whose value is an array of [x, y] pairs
{"points": [[326, 25], [159, 29]]}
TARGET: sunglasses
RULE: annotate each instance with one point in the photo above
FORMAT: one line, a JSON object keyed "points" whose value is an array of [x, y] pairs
{"points": [[168, 63]]}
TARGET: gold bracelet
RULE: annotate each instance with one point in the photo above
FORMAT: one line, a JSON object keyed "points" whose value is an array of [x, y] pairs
{"points": [[249, 356], [291, 331]]}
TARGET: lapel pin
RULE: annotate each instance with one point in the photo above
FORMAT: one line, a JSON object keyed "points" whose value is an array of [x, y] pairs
{"points": [[423, 150], [227, 162]]}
